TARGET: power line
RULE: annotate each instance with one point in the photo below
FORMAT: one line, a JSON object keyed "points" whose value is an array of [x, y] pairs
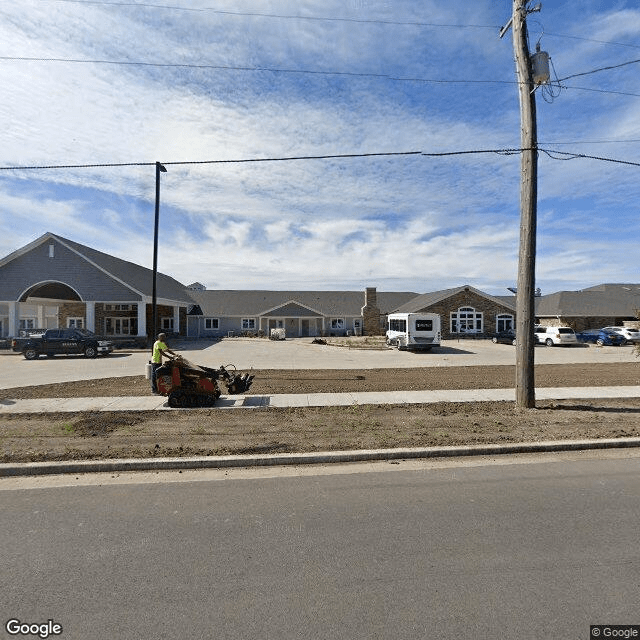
{"points": [[593, 142], [618, 93], [254, 14], [327, 19], [382, 76], [608, 68], [551, 153], [618, 44], [352, 74], [191, 162]]}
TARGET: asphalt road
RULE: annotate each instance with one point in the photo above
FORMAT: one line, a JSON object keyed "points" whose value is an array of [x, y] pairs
{"points": [[520, 548], [15, 371]]}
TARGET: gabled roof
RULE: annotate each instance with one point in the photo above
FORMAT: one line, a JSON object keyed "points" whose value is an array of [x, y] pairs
{"points": [[429, 299], [137, 278], [249, 303], [603, 300]]}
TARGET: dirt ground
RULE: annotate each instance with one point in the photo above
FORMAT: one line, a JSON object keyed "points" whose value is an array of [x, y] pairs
{"points": [[190, 432]]}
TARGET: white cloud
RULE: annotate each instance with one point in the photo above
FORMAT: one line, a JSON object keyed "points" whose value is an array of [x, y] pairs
{"points": [[413, 222]]}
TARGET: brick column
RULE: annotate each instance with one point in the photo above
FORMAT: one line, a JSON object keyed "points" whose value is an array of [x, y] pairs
{"points": [[370, 313]]}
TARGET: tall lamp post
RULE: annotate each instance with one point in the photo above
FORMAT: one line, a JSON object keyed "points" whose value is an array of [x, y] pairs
{"points": [[154, 301]]}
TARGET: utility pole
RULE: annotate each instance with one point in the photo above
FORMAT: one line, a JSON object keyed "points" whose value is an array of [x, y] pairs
{"points": [[525, 295]]}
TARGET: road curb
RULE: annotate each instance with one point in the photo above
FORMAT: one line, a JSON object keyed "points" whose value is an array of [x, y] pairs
{"points": [[325, 457]]}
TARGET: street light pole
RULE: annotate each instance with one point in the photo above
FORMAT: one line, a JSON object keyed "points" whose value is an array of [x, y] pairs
{"points": [[154, 300]]}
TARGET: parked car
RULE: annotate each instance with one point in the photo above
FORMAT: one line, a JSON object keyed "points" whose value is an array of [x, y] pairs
{"points": [[62, 341], [504, 337], [601, 337], [629, 335], [552, 336]]}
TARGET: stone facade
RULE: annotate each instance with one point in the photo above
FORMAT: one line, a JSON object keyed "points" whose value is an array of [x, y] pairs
{"points": [[71, 310], [110, 311], [371, 313], [468, 299], [164, 311], [587, 322]]}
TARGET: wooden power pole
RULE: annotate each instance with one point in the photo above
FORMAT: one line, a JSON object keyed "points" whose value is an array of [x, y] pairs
{"points": [[525, 296]]}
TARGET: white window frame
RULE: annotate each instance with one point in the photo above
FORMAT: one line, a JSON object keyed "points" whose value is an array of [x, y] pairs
{"points": [[167, 323], [211, 324], [27, 323], [118, 325], [507, 318], [464, 315], [120, 307], [248, 324], [75, 323], [337, 324]]}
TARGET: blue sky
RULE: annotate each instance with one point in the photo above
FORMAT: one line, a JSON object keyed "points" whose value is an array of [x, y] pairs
{"points": [[213, 80]]}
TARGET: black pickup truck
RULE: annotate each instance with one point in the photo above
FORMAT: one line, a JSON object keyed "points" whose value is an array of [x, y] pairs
{"points": [[62, 341]]}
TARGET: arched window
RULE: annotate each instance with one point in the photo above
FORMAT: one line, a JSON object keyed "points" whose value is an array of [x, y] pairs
{"points": [[467, 320]]}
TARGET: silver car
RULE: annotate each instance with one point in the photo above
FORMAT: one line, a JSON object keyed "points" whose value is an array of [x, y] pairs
{"points": [[629, 334]]}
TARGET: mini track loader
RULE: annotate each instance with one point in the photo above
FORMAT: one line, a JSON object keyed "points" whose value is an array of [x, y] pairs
{"points": [[189, 385]]}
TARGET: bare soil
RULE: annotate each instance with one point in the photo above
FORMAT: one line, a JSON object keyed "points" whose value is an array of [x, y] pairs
{"points": [[191, 432]]}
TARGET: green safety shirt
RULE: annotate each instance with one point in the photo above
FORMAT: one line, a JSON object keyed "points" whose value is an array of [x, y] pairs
{"points": [[158, 346]]}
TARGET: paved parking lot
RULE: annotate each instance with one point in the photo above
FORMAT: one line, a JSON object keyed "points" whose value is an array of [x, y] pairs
{"points": [[245, 353]]}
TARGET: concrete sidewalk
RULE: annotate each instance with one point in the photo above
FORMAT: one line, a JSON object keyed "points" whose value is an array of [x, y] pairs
{"points": [[159, 403]]}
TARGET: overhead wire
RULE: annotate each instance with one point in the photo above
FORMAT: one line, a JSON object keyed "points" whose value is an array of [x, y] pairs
{"points": [[256, 14], [325, 18], [504, 151], [607, 68]]}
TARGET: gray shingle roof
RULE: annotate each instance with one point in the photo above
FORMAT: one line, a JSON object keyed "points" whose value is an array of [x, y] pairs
{"points": [[138, 277], [601, 300], [427, 299], [249, 303]]}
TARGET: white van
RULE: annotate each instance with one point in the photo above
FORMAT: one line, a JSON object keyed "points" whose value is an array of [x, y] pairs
{"points": [[413, 331]]}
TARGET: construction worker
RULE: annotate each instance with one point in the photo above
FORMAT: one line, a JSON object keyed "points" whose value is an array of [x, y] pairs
{"points": [[160, 349]]}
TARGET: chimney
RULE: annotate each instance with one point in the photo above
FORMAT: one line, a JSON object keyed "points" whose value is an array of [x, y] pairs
{"points": [[370, 297], [370, 313]]}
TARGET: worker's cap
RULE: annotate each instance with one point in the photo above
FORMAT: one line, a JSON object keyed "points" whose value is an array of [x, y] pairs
{"points": [[162, 335]]}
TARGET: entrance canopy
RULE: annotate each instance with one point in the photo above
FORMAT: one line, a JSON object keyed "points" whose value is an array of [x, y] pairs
{"points": [[51, 291]]}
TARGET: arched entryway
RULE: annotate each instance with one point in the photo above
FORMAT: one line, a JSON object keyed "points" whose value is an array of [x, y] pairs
{"points": [[39, 307]]}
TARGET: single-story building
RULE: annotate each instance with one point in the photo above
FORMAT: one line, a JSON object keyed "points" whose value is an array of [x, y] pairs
{"points": [[55, 282], [300, 313], [599, 306], [465, 311]]}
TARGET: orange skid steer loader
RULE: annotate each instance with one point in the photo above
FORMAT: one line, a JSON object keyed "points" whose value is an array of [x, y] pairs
{"points": [[190, 385]]}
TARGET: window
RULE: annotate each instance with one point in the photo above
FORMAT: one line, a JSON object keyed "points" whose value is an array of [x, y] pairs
{"points": [[337, 323], [466, 320], [504, 322], [396, 324], [27, 323], [121, 326], [248, 324], [211, 324], [166, 324], [120, 307], [75, 323]]}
